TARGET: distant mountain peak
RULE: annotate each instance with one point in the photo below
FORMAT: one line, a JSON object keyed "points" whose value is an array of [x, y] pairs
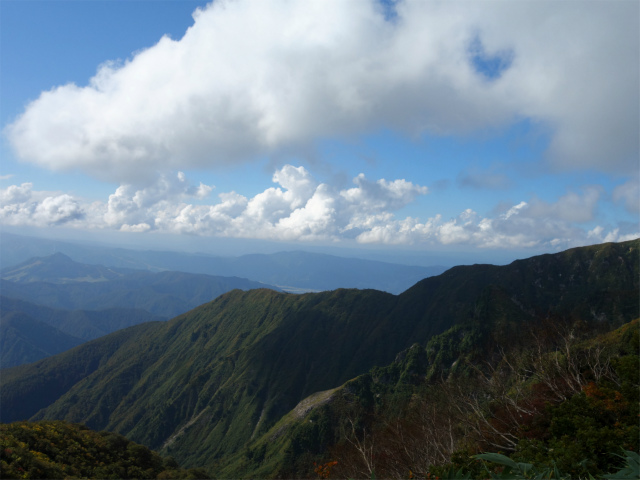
{"points": [[57, 268]]}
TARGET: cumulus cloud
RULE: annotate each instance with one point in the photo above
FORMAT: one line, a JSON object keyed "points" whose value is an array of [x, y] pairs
{"points": [[519, 227], [133, 209], [251, 78], [20, 205], [599, 235], [381, 195], [301, 208]]}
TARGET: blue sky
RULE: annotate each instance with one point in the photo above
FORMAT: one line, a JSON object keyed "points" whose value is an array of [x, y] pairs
{"points": [[497, 129]]}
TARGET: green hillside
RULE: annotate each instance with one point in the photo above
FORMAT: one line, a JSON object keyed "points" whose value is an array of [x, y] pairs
{"points": [[208, 383], [28, 388], [566, 406]]}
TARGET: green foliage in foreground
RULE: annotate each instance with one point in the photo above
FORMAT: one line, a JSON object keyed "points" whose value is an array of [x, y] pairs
{"points": [[391, 423], [59, 449]]}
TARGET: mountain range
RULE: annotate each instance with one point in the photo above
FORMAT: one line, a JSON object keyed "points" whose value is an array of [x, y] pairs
{"points": [[295, 271], [29, 332], [57, 281], [23, 339], [223, 381], [49, 304]]}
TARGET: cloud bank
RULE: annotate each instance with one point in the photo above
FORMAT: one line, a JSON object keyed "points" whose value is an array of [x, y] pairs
{"points": [[300, 208], [253, 78]]}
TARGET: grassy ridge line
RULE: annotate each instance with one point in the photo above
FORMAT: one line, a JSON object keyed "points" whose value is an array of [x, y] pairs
{"points": [[240, 363]]}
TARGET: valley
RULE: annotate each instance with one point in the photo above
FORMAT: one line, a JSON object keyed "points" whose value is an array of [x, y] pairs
{"points": [[233, 386]]}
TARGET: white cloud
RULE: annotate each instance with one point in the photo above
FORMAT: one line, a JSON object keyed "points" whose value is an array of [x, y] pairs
{"points": [[315, 220], [300, 208], [57, 210], [252, 78], [138, 207], [524, 225], [16, 194], [20, 205], [381, 195], [599, 235]]}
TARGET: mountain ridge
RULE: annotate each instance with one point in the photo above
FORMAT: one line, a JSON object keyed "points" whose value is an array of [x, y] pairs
{"points": [[230, 369], [52, 269], [315, 272], [95, 287]]}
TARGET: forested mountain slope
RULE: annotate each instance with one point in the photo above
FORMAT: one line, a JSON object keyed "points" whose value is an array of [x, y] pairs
{"points": [[206, 383]]}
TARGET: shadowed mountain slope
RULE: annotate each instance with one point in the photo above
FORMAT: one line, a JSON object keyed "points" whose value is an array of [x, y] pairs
{"points": [[24, 339], [83, 324], [205, 383]]}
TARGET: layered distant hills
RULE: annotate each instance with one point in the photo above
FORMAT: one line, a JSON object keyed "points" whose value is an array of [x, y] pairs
{"points": [[59, 282], [292, 271], [264, 383], [107, 289], [103, 289], [79, 302], [23, 339], [29, 332]]}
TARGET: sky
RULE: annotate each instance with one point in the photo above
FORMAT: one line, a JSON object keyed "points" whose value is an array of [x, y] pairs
{"points": [[495, 129]]}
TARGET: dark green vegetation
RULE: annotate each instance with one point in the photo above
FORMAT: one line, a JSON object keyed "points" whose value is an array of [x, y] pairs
{"points": [[261, 383], [567, 402], [63, 450]]}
